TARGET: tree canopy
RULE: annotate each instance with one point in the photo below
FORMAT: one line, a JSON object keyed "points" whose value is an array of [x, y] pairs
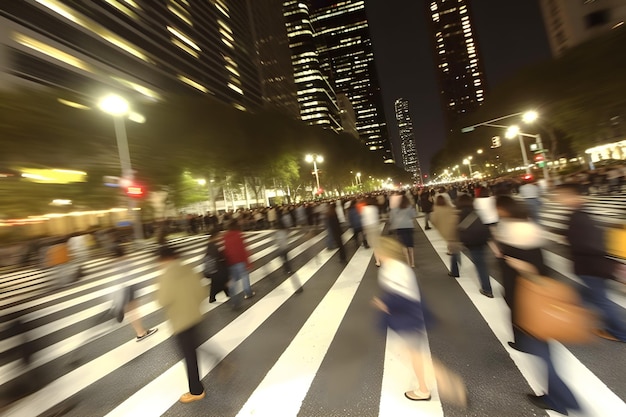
{"points": [[182, 137]]}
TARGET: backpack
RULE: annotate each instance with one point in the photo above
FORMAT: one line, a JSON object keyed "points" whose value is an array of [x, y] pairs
{"points": [[210, 265], [472, 231]]}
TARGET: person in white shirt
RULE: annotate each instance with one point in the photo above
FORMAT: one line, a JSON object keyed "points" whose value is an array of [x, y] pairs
{"points": [[370, 220]]}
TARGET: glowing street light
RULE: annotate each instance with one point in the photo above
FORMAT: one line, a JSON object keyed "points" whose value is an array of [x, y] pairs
{"points": [[315, 159], [511, 133], [118, 107], [479, 151]]}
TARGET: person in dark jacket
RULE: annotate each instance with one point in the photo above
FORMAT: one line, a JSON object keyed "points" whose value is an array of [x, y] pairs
{"points": [[334, 230], [426, 202], [215, 268], [474, 235], [591, 264]]}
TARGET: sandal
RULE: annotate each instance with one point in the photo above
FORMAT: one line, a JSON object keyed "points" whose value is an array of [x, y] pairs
{"points": [[417, 395]]}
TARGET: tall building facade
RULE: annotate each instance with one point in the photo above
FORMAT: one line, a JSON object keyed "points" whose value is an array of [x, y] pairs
{"points": [[274, 56], [145, 47], [344, 45], [316, 97], [569, 23], [456, 55], [410, 159]]}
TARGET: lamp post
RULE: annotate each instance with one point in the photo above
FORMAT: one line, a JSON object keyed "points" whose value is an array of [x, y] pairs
{"points": [[358, 178], [315, 159], [118, 107], [512, 131]]}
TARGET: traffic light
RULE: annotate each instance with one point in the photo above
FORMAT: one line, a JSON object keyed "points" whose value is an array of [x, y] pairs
{"points": [[540, 160], [135, 190], [495, 142]]}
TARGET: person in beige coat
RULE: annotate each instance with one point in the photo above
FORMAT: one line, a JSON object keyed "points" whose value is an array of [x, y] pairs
{"points": [[445, 218], [180, 292]]}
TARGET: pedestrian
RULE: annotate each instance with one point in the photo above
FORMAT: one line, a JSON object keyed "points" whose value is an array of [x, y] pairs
{"points": [[591, 262], [180, 292], [370, 220], [531, 192], [355, 223], [238, 262], [400, 304], [518, 238], [281, 237], [446, 220], [401, 311], [334, 231], [126, 298], [215, 268], [474, 235], [402, 219], [426, 202]]}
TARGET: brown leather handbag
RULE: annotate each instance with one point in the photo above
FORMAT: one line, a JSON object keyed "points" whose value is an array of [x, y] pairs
{"points": [[549, 309]]}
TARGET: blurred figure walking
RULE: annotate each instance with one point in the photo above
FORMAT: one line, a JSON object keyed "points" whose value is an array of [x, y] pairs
{"points": [[402, 221], [591, 264], [125, 299], [180, 292], [401, 311], [446, 220], [215, 268], [238, 262]]}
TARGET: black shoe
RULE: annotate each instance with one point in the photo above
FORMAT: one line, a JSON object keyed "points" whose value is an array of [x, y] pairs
{"points": [[514, 345], [486, 293], [299, 290], [252, 294], [148, 333], [450, 274], [539, 401], [212, 300], [427, 228], [120, 316]]}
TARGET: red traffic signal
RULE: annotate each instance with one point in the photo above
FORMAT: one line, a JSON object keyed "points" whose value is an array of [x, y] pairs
{"points": [[539, 158], [135, 191]]}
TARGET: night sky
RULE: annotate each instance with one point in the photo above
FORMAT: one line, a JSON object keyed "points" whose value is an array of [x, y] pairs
{"points": [[510, 36]]}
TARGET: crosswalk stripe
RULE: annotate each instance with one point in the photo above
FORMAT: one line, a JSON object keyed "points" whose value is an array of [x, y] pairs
{"points": [[284, 387]]}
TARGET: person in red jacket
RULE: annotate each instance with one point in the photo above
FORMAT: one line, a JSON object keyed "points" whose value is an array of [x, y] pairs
{"points": [[238, 262]]}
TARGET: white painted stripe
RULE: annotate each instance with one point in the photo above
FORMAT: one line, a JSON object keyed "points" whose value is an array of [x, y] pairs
{"points": [[285, 386], [398, 377], [592, 394]]}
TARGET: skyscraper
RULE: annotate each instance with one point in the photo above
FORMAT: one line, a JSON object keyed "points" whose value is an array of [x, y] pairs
{"points": [[316, 97], [459, 66], [344, 45], [134, 46], [408, 145], [569, 23], [274, 56]]}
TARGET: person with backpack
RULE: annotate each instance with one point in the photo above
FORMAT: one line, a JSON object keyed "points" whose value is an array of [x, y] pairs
{"points": [[215, 268], [474, 235]]}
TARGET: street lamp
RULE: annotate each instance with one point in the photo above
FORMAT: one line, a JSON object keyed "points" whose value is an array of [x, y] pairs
{"points": [[118, 107], [468, 161], [358, 178], [315, 159], [479, 151], [511, 133]]}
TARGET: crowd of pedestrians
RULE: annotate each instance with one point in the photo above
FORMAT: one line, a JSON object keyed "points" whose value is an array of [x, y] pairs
{"points": [[474, 219]]}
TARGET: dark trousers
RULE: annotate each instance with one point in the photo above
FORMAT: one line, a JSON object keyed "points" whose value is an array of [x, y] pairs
{"points": [[455, 260], [478, 257], [559, 396], [188, 343], [285, 258], [594, 293]]}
